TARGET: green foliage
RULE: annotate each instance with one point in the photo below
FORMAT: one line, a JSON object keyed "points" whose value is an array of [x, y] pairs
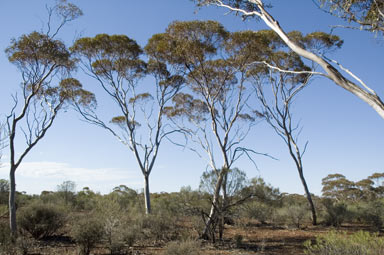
{"points": [[41, 220], [336, 186], [264, 202], [87, 232], [86, 199], [119, 229], [235, 181], [14, 246], [372, 212], [183, 248], [40, 48], [294, 215], [333, 243], [66, 191], [158, 226], [111, 53], [259, 211], [336, 212], [294, 210], [366, 14]]}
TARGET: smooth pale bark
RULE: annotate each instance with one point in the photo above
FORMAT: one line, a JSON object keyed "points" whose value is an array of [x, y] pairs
{"points": [[12, 202], [368, 96], [147, 195]]}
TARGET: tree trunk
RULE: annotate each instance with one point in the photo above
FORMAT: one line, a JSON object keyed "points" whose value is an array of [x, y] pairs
{"points": [[368, 96], [309, 197], [214, 207], [147, 195], [12, 202]]}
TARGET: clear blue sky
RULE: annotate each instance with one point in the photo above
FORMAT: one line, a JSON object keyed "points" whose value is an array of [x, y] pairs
{"points": [[345, 135]]}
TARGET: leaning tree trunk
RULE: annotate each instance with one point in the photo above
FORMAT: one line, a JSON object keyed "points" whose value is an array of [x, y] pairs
{"points": [[12, 201], [297, 158], [309, 197], [369, 96], [147, 195]]}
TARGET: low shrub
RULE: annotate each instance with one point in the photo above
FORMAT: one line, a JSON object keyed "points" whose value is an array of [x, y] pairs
{"points": [[336, 213], [259, 211], [183, 248], [294, 215], [373, 214], [157, 226], [41, 220], [87, 232], [9, 246], [360, 243]]}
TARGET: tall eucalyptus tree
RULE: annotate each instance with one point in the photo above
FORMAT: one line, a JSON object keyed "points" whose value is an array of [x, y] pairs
{"points": [[114, 61], [46, 89], [213, 108]]}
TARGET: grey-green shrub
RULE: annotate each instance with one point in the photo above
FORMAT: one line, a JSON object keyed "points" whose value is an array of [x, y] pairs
{"points": [[336, 212], [332, 243], [41, 220], [183, 248], [294, 215], [87, 232], [373, 213]]}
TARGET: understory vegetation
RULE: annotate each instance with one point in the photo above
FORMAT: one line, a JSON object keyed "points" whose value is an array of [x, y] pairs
{"points": [[86, 222]]}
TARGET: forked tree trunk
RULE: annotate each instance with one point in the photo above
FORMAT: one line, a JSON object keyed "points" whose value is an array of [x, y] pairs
{"points": [[147, 195], [214, 208], [12, 201]]}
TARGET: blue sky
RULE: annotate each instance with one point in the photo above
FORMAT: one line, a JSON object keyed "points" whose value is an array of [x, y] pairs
{"points": [[345, 135]]}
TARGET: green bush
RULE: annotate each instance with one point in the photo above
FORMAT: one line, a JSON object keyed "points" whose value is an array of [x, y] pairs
{"points": [[373, 214], [336, 213], [182, 248], [360, 243], [8, 246], [157, 226], [259, 211], [294, 215], [41, 220], [87, 232]]}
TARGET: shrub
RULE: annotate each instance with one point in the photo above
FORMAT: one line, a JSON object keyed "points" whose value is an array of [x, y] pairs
{"points": [[360, 243], [87, 232], [182, 248], [294, 214], [259, 211], [238, 240], [157, 226], [41, 220], [20, 245], [336, 213], [373, 214]]}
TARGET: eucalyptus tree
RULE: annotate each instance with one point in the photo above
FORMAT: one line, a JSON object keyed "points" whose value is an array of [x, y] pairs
{"points": [[236, 190], [365, 15], [333, 70], [212, 110], [45, 64], [276, 106], [114, 61]]}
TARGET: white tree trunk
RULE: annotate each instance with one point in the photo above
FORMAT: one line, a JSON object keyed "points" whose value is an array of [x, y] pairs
{"points": [[147, 195], [370, 98]]}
